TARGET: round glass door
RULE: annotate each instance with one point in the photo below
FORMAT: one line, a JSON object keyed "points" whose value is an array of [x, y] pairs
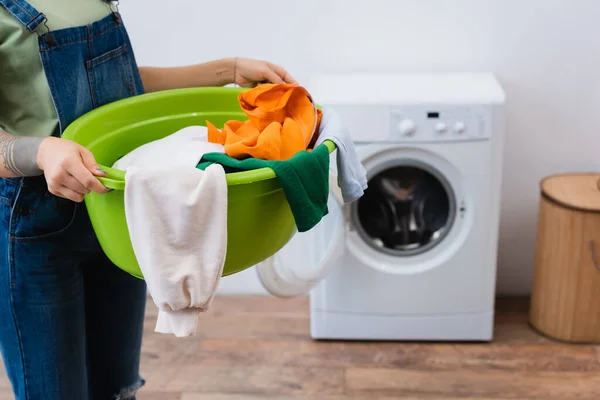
{"points": [[407, 209]]}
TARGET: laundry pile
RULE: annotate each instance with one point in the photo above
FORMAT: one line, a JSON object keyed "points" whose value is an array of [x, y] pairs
{"points": [[176, 192]]}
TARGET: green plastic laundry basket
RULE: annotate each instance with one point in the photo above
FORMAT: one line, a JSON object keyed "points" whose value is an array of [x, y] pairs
{"points": [[260, 221]]}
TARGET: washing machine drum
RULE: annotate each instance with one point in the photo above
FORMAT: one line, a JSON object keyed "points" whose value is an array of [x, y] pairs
{"points": [[406, 210]]}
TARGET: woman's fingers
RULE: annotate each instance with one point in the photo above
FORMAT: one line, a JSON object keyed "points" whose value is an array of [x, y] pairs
{"points": [[69, 194], [282, 73], [80, 172], [73, 184], [271, 76]]}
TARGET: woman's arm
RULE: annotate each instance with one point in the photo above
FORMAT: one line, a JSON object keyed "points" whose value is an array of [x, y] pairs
{"points": [[69, 168], [213, 73], [242, 71], [19, 155]]}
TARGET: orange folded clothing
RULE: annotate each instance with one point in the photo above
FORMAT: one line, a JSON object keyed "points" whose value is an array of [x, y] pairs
{"points": [[282, 120]]}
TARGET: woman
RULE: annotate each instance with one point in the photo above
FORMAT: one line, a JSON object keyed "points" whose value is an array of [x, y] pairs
{"points": [[71, 322]]}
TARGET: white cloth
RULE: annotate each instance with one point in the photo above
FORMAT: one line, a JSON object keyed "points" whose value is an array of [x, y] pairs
{"points": [[182, 148], [177, 220], [352, 176]]}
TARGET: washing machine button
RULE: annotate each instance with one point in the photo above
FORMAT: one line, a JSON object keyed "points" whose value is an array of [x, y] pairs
{"points": [[407, 127], [459, 127], [440, 127]]}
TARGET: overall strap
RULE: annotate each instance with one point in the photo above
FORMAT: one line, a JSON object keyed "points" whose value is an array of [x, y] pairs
{"points": [[24, 12]]}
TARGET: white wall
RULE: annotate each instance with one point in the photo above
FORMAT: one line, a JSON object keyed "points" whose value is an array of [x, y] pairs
{"points": [[545, 52]]}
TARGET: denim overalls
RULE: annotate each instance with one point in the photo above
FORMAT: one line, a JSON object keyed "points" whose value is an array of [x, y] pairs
{"points": [[71, 322]]}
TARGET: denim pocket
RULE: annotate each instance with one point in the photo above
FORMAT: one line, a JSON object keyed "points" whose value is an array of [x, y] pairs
{"points": [[111, 76], [8, 188], [38, 214]]}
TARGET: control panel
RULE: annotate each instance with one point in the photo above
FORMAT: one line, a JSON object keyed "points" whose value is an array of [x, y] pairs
{"points": [[442, 123], [416, 123]]}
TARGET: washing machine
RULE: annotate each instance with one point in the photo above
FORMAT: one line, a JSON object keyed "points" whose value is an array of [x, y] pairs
{"points": [[415, 257]]}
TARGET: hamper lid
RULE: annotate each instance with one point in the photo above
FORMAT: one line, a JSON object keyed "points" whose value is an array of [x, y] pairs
{"points": [[578, 191]]}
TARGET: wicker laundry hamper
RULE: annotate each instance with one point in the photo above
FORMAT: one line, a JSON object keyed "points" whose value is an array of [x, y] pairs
{"points": [[565, 302]]}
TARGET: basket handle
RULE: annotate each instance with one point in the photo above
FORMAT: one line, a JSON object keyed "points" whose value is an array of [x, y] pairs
{"points": [[593, 254], [114, 179]]}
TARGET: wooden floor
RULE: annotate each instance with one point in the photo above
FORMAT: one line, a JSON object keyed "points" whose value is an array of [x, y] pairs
{"points": [[259, 348]]}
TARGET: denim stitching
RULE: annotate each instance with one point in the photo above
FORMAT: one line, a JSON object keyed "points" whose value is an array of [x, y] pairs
{"points": [[8, 199], [19, 336], [92, 84], [12, 224], [109, 55], [47, 235], [11, 231], [12, 280], [89, 37], [127, 67], [23, 10], [52, 86], [89, 71], [10, 7], [18, 12], [124, 64], [75, 41]]}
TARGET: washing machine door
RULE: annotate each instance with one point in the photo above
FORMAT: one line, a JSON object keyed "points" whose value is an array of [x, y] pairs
{"points": [[415, 214], [309, 256], [407, 210]]}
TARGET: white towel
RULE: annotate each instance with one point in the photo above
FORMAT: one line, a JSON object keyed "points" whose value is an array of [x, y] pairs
{"points": [[177, 220], [182, 148], [352, 176]]}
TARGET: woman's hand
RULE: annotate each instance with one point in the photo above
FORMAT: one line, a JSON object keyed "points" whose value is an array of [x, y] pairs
{"points": [[249, 73], [70, 169], [241, 71]]}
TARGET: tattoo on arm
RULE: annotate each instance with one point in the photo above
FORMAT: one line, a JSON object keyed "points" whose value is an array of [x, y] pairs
{"points": [[19, 154]]}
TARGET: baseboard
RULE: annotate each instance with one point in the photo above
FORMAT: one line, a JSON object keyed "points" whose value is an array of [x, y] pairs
{"points": [[350, 326]]}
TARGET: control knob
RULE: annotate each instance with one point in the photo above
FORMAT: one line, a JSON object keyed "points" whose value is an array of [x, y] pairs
{"points": [[440, 127], [459, 127], [407, 127]]}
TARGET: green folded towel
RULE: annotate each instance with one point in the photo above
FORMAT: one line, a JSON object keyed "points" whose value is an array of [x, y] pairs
{"points": [[304, 179]]}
